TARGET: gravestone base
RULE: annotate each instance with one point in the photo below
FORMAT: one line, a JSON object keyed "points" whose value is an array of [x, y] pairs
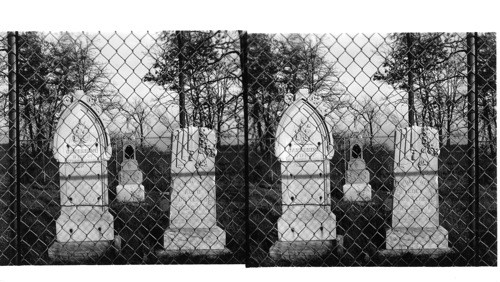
{"points": [[306, 223], [432, 253], [357, 192], [304, 250], [84, 223], [401, 238], [78, 251], [192, 240], [130, 193], [194, 253]]}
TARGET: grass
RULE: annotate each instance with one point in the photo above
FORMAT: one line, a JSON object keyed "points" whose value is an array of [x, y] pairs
{"points": [[364, 225], [141, 227]]}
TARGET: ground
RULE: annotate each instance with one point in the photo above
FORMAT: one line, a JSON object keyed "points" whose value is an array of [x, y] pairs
{"points": [[363, 226]]}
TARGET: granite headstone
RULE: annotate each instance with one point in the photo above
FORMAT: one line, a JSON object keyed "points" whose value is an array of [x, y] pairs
{"points": [[193, 226], [357, 187], [82, 148], [130, 188], [415, 215], [304, 146]]}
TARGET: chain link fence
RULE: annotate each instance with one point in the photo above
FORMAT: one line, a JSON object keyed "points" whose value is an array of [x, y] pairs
{"points": [[376, 197], [96, 174], [264, 149]]}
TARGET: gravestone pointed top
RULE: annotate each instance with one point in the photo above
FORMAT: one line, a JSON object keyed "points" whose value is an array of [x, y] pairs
{"points": [[79, 94], [302, 93], [129, 152], [356, 152], [302, 134], [80, 135]]}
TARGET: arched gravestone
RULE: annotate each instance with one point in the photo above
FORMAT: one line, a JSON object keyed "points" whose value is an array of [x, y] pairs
{"points": [[130, 188], [415, 215], [304, 146], [193, 226], [81, 145], [356, 186]]}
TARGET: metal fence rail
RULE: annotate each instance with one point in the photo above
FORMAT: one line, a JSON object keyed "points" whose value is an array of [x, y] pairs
{"points": [[233, 147]]}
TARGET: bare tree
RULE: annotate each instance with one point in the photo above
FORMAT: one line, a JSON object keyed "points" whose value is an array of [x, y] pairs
{"points": [[281, 64], [439, 84], [370, 114], [137, 114], [210, 71]]}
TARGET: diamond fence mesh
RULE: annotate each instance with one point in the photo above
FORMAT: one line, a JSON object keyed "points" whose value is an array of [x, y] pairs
{"points": [[388, 194], [368, 149], [97, 177]]}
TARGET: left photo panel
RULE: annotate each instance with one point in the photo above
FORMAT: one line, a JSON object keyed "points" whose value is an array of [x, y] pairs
{"points": [[122, 148]]}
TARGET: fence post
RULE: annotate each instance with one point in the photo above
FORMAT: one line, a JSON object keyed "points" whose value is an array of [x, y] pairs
{"points": [[244, 81], [476, 155], [14, 190], [411, 105], [471, 140], [182, 99]]}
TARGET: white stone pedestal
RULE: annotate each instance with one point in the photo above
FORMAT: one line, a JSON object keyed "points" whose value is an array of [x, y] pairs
{"points": [[177, 239], [80, 223], [306, 223], [401, 238], [130, 193], [358, 192]]}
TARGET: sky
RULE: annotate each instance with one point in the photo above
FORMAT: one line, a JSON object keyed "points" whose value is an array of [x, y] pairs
{"points": [[357, 57], [127, 59]]}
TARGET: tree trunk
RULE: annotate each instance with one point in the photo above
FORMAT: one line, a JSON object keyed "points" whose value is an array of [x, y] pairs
{"points": [[371, 134], [141, 128], [449, 122], [258, 124], [486, 115]]}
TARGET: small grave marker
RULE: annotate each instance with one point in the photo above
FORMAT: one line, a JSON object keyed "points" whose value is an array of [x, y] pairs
{"points": [[130, 177], [357, 188]]}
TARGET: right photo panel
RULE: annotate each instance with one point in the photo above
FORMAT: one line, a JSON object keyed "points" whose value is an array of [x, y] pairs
{"points": [[371, 149]]}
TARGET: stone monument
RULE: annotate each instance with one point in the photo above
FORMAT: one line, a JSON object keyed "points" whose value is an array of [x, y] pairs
{"points": [[415, 215], [81, 145], [304, 146], [357, 188], [193, 228], [130, 177]]}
